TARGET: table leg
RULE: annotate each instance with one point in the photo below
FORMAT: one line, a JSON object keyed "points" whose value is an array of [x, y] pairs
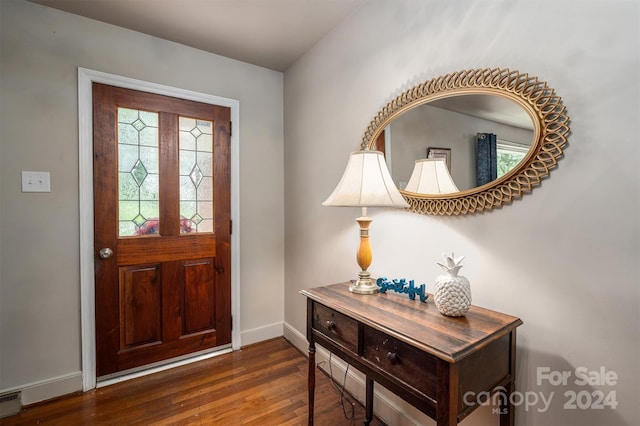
{"points": [[368, 408], [311, 379], [447, 393], [507, 410]]}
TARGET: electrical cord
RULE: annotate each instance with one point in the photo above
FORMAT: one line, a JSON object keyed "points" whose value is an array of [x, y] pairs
{"points": [[344, 398]]}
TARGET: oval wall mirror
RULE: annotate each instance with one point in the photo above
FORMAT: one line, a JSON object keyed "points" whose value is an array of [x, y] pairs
{"points": [[470, 141]]}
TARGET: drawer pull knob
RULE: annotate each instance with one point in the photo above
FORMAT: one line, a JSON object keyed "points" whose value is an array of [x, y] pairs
{"points": [[330, 325], [392, 358]]}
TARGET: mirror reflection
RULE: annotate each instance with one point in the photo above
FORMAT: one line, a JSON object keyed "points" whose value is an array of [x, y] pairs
{"points": [[471, 140]]}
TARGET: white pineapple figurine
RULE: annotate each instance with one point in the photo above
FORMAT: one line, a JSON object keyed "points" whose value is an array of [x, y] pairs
{"points": [[452, 294]]}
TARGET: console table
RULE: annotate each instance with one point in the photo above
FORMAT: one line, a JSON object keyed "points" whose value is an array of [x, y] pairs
{"points": [[436, 363]]}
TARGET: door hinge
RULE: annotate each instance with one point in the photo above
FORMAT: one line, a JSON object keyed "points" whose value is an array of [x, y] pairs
{"points": [[230, 128], [231, 325], [230, 226]]}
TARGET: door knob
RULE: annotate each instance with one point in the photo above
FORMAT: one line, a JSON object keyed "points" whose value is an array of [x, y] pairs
{"points": [[106, 253]]}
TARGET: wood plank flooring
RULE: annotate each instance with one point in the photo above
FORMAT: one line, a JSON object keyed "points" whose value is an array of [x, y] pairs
{"points": [[262, 384]]}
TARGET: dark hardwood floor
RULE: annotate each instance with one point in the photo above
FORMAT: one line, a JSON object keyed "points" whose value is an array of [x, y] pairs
{"points": [[263, 384]]}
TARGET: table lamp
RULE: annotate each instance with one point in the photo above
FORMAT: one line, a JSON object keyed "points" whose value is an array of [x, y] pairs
{"points": [[366, 182]]}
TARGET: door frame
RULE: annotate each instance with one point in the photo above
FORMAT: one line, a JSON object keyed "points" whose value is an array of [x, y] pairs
{"points": [[85, 152]]}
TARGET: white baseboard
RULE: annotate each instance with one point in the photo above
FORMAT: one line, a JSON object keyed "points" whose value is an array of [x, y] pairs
{"points": [[49, 388], [296, 338], [260, 334], [386, 406]]}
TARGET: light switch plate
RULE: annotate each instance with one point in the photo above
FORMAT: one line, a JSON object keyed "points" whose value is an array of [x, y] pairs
{"points": [[36, 181]]}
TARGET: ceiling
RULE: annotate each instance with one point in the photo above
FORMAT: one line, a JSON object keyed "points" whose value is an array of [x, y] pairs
{"points": [[267, 33], [488, 107]]}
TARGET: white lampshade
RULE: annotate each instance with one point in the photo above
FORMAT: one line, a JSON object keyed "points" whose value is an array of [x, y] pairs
{"points": [[431, 176], [366, 182]]}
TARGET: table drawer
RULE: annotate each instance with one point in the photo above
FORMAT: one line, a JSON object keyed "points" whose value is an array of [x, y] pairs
{"points": [[336, 326], [400, 360]]}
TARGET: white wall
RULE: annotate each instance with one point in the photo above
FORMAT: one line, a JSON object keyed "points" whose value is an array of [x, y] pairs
{"points": [[564, 258], [39, 279]]}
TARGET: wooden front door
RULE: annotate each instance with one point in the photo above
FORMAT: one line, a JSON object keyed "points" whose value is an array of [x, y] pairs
{"points": [[162, 227]]}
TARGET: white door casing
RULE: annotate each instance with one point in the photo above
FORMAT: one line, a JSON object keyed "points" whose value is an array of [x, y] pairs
{"points": [[87, 290]]}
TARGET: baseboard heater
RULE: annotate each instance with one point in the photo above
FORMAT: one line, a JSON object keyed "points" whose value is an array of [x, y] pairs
{"points": [[10, 404]]}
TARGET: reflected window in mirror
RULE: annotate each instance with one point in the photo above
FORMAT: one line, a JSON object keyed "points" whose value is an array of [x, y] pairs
{"points": [[510, 154]]}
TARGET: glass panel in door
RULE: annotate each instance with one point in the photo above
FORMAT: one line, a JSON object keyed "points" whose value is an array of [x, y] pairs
{"points": [[138, 173], [196, 175]]}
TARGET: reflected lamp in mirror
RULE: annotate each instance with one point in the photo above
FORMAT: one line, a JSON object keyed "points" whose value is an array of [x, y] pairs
{"points": [[366, 182], [431, 176]]}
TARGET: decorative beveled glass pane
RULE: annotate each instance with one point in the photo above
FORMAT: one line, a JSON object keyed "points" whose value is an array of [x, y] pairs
{"points": [[139, 172], [139, 220], [149, 118], [186, 124], [138, 125], [149, 157], [205, 190], [126, 115], [127, 157], [138, 179], [196, 175], [187, 140], [149, 136], [205, 143], [206, 226], [150, 209], [187, 161], [205, 162], [149, 188], [205, 208], [128, 210], [127, 134], [188, 208], [196, 218], [127, 228], [127, 187], [187, 190]]}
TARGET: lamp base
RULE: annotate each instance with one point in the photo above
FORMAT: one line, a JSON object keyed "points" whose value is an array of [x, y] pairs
{"points": [[365, 285]]}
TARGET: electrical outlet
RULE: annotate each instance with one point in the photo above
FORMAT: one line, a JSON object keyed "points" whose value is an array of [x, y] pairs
{"points": [[36, 181]]}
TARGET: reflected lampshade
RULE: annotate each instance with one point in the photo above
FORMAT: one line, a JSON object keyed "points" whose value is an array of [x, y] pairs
{"points": [[431, 176]]}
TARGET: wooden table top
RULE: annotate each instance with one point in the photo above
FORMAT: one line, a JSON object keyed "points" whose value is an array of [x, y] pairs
{"points": [[417, 323]]}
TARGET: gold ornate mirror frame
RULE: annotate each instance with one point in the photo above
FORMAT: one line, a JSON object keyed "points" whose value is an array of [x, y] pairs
{"points": [[551, 128]]}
